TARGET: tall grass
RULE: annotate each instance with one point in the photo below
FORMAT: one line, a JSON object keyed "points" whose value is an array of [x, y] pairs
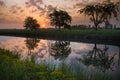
{"points": [[11, 68]]}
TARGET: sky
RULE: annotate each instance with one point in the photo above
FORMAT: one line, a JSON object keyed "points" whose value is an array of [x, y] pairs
{"points": [[14, 12]]}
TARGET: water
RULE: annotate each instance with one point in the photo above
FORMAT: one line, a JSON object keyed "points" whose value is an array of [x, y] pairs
{"points": [[90, 56]]}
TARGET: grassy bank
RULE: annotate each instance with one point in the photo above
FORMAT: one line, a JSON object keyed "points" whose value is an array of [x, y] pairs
{"points": [[11, 68], [107, 36], [86, 32]]}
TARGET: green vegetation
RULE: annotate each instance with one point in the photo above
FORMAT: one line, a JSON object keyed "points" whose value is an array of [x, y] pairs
{"points": [[107, 36], [60, 19], [31, 24], [86, 32], [11, 68]]}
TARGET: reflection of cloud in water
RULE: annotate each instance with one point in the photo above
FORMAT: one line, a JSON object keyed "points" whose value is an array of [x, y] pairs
{"points": [[13, 43], [6, 38], [40, 53], [81, 46]]}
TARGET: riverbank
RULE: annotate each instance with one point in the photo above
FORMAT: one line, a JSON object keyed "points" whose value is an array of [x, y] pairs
{"points": [[11, 68], [105, 35]]}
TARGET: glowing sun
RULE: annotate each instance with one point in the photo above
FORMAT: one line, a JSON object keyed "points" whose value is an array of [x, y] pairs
{"points": [[43, 25]]}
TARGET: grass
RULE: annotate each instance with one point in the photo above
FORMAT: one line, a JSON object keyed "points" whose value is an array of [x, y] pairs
{"points": [[101, 36], [105, 32], [11, 68], [87, 32]]}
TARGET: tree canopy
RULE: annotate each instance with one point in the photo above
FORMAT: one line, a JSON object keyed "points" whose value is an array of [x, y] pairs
{"points": [[101, 12], [31, 24], [60, 18]]}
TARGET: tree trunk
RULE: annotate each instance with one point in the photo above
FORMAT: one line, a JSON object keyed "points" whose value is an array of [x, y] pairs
{"points": [[96, 26], [55, 27], [59, 28]]}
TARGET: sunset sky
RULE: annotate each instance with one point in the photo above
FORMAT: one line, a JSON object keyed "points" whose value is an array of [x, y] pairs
{"points": [[14, 12]]}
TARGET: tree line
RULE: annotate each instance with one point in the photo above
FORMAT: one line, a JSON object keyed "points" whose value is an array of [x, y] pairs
{"points": [[98, 14]]}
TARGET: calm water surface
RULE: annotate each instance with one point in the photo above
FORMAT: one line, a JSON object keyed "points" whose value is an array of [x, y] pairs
{"points": [[101, 57]]}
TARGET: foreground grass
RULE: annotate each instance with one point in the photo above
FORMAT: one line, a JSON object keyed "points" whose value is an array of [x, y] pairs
{"points": [[11, 68]]}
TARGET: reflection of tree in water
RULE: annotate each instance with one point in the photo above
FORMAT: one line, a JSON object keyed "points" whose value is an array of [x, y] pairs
{"points": [[98, 58], [60, 49], [31, 44]]}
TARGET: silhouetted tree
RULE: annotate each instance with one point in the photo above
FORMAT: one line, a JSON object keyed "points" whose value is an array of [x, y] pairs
{"points": [[31, 24], [98, 58], [60, 18], [101, 12], [60, 49]]}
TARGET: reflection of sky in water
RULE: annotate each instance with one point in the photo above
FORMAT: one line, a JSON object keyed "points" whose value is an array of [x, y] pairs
{"points": [[41, 52]]}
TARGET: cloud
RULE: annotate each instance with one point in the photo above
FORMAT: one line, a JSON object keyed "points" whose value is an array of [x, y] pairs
{"points": [[27, 4], [2, 3], [41, 7], [78, 5], [15, 9], [35, 10], [7, 17], [82, 3], [80, 19], [39, 1], [35, 3], [4, 18], [50, 8], [4, 13], [1, 18]]}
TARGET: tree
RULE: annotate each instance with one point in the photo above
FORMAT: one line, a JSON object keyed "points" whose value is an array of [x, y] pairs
{"points": [[60, 18], [101, 12], [31, 24]]}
